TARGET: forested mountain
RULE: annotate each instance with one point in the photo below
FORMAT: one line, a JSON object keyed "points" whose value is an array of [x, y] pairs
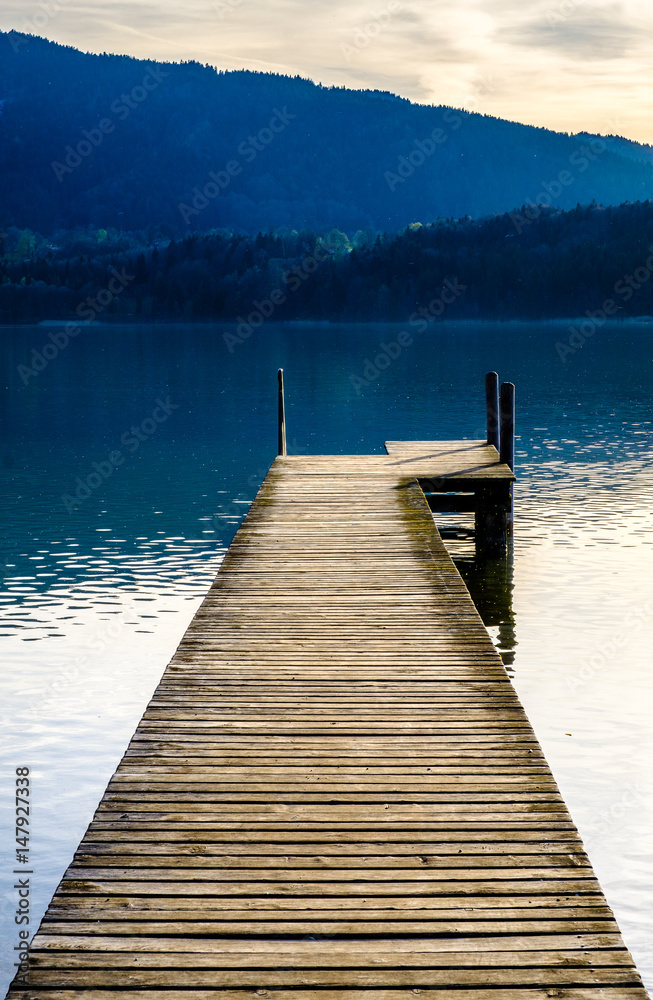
{"points": [[589, 261], [107, 140]]}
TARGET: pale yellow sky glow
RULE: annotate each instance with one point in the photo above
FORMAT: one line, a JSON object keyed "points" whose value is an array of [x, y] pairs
{"points": [[569, 65]]}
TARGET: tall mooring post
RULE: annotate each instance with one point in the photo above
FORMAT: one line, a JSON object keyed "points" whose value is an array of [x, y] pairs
{"points": [[492, 408], [282, 416]]}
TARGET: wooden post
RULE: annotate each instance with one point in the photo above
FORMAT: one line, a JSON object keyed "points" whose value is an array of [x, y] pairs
{"points": [[507, 433], [282, 416], [507, 450], [492, 408]]}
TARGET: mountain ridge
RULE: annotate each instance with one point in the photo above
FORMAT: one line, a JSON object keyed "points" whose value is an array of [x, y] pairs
{"points": [[107, 140]]}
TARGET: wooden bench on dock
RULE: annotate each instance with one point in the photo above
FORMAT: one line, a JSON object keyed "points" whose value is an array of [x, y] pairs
{"points": [[334, 791]]}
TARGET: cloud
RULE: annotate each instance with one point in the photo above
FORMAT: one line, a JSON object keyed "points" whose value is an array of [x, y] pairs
{"points": [[580, 32], [567, 64]]}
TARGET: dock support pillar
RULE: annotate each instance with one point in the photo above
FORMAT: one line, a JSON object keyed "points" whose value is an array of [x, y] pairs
{"points": [[494, 501], [282, 416], [493, 504]]}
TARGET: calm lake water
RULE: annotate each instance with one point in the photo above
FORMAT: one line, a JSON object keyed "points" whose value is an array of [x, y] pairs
{"points": [[103, 574]]}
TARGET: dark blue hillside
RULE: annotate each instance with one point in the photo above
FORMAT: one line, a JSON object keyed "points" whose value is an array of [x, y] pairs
{"points": [[108, 140]]}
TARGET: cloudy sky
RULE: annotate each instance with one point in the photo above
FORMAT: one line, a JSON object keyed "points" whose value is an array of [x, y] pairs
{"points": [[571, 65]]}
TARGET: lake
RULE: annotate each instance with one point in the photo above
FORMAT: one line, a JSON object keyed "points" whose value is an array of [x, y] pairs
{"points": [[130, 458]]}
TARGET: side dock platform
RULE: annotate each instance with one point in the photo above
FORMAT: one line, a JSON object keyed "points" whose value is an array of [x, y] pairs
{"points": [[335, 791]]}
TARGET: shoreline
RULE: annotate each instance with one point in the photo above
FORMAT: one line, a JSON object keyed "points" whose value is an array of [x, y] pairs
{"points": [[56, 324]]}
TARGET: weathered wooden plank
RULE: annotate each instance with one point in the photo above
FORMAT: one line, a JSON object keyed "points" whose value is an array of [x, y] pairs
{"points": [[207, 768], [603, 948], [486, 865], [389, 957], [114, 922], [426, 872], [200, 829], [608, 992], [554, 977], [400, 815], [328, 887], [204, 834], [385, 853], [392, 790], [584, 907]]}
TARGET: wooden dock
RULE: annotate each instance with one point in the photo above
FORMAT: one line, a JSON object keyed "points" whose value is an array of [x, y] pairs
{"points": [[335, 792]]}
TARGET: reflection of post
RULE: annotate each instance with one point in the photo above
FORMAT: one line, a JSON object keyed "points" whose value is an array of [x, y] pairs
{"points": [[507, 634], [507, 438], [490, 583], [282, 416]]}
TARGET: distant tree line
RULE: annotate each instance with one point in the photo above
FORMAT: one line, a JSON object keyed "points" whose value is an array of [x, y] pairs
{"points": [[534, 263]]}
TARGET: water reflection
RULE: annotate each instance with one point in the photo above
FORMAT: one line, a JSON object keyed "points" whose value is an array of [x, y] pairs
{"points": [[490, 581]]}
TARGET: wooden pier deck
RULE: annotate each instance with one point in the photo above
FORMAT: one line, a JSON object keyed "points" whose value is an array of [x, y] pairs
{"points": [[334, 792]]}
